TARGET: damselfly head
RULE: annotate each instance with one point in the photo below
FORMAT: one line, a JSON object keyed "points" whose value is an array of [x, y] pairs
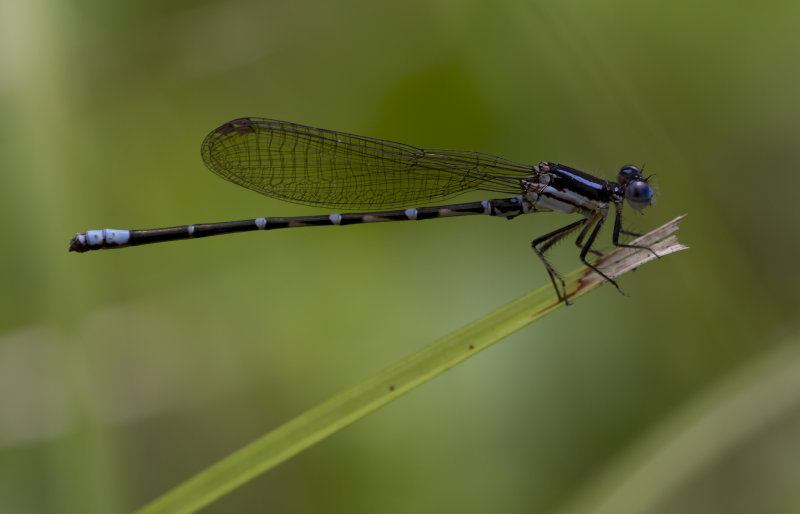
{"points": [[628, 173], [638, 192]]}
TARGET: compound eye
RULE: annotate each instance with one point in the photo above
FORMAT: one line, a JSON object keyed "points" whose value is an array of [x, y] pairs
{"points": [[639, 194], [628, 173]]}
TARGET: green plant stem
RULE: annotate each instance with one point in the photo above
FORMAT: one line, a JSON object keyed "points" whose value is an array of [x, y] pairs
{"points": [[353, 404]]}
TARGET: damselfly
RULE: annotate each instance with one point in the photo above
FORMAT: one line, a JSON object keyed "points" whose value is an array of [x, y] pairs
{"points": [[325, 168]]}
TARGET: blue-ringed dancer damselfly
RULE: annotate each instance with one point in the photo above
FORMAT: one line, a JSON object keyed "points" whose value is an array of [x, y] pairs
{"points": [[324, 168]]}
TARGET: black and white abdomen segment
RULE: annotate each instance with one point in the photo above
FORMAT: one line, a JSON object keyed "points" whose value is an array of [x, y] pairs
{"points": [[104, 238], [113, 238]]}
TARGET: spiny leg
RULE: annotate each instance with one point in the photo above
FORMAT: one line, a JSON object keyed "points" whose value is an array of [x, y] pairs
{"points": [[579, 240], [618, 229], [600, 219], [547, 241]]}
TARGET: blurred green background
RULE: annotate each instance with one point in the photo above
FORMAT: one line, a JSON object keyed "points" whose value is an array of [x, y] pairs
{"points": [[124, 373]]}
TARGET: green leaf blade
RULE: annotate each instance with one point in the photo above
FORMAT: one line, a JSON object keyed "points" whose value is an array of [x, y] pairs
{"points": [[353, 404]]}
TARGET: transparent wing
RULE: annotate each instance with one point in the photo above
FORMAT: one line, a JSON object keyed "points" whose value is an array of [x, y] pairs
{"points": [[325, 168]]}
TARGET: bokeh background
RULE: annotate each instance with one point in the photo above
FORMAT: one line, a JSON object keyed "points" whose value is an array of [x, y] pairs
{"points": [[123, 373]]}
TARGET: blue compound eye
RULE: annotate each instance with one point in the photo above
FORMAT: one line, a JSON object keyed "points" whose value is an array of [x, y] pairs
{"points": [[628, 173], [639, 194]]}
